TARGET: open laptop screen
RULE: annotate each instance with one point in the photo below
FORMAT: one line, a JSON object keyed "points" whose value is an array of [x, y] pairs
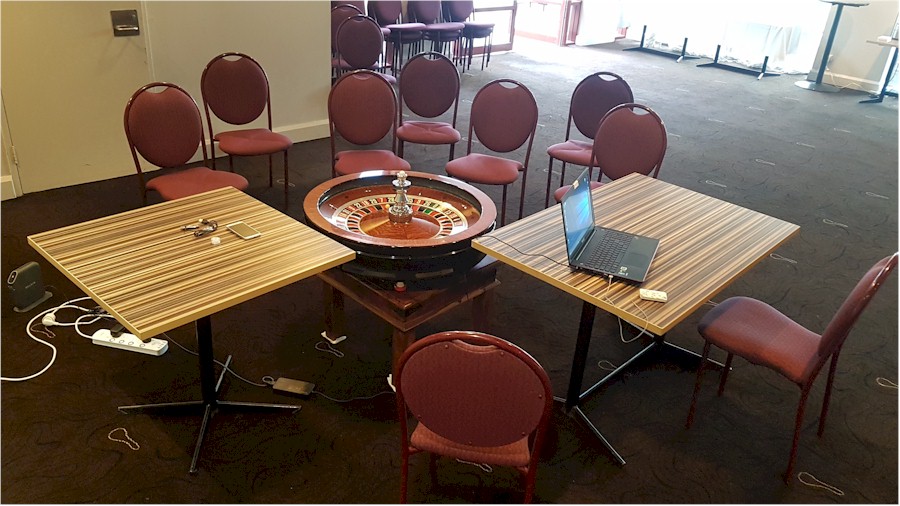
{"points": [[578, 215]]}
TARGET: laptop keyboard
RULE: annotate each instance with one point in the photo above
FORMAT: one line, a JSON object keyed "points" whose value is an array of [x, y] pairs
{"points": [[608, 254]]}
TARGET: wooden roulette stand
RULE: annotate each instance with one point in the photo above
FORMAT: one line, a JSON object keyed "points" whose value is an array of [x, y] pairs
{"points": [[412, 233]]}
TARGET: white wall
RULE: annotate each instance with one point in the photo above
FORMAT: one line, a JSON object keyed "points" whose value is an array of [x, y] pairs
{"points": [[66, 79], [856, 63]]}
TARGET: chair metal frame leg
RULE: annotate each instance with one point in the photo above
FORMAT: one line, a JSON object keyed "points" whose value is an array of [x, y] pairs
{"points": [[287, 182], [209, 391], [826, 400]]}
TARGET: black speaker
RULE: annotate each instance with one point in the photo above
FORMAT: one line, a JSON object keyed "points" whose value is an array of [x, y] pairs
{"points": [[27, 287]]}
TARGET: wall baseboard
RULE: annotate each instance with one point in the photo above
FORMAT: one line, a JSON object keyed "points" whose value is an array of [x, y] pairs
{"points": [[7, 188]]}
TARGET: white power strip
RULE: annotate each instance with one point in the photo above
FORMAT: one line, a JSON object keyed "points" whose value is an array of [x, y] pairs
{"points": [[130, 342]]}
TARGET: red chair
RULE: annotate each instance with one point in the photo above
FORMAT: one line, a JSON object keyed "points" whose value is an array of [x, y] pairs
{"points": [[503, 119], [388, 14], [593, 97], [429, 87], [461, 11], [476, 398], [339, 12], [362, 109], [442, 34], [764, 336], [236, 90], [163, 125], [359, 43], [631, 138]]}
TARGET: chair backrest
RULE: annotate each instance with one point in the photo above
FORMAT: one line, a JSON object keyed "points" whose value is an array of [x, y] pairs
{"points": [[235, 88], [474, 388], [630, 138], [837, 330], [424, 11], [429, 85], [458, 11], [359, 4], [359, 42], [163, 125], [362, 108], [593, 97], [504, 116], [339, 13], [385, 12]]}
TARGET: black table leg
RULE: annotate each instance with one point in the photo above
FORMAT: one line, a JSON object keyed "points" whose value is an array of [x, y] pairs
{"points": [[574, 394], [209, 387], [880, 97]]}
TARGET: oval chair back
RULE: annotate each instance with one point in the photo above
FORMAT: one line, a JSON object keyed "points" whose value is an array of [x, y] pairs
{"points": [[476, 397], [630, 138]]}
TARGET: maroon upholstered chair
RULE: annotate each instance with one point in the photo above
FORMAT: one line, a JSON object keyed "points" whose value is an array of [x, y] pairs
{"points": [[359, 44], [593, 97], [503, 119], [461, 11], [442, 34], [631, 138], [388, 14], [362, 109], [339, 12], [235, 90], [163, 125], [429, 88], [764, 336], [476, 398]]}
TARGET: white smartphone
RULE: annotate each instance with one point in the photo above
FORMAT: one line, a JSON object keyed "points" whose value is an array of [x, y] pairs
{"points": [[243, 230]]}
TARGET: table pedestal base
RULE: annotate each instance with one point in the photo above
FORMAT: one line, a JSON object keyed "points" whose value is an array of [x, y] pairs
{"points": [[814, 86], [210, 404], [575, 395]]}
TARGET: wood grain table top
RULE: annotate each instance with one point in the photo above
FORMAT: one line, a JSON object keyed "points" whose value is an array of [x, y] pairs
{"points": [[705, 244], [152, 276]]}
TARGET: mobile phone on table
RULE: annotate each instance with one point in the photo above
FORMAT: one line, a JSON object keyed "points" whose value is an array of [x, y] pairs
{"points": [[243, 230]]}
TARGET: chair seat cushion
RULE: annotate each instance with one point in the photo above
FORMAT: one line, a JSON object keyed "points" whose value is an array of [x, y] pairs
{"points": [[477, 30], [514, 454], [484, 169], [762, 335], [572, 151], [187, 182], [406, 27], [354, 162], [428, 132], [558, 194], [445, 27], [253, 141]]}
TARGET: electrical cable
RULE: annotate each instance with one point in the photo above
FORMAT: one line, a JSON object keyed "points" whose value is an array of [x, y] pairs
{"points": [[28, 329], [230, 370]]}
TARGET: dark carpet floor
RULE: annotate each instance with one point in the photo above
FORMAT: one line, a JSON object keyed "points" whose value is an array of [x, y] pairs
{"points": [[822, 161]]}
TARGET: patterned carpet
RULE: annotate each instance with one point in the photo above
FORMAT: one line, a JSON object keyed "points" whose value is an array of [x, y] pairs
{"points": [[822, 161]]}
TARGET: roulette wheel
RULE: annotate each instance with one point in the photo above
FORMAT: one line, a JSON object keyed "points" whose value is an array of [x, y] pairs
{"points": [[404, 226]]}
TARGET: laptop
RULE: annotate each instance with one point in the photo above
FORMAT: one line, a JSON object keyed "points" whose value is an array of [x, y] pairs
{"points": [[597, 249]]}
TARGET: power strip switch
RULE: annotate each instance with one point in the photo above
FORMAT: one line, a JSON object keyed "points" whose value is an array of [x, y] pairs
{"points": [[130, 342]]}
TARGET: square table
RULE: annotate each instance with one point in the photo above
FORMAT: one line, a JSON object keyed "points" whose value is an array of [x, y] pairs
{"points": [[705, 244], [152, 276]]}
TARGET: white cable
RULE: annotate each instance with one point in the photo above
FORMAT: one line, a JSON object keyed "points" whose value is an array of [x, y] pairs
{"points": [[622, 332], [886, 383], [818, 483], [95, 319], [68, 304]]}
